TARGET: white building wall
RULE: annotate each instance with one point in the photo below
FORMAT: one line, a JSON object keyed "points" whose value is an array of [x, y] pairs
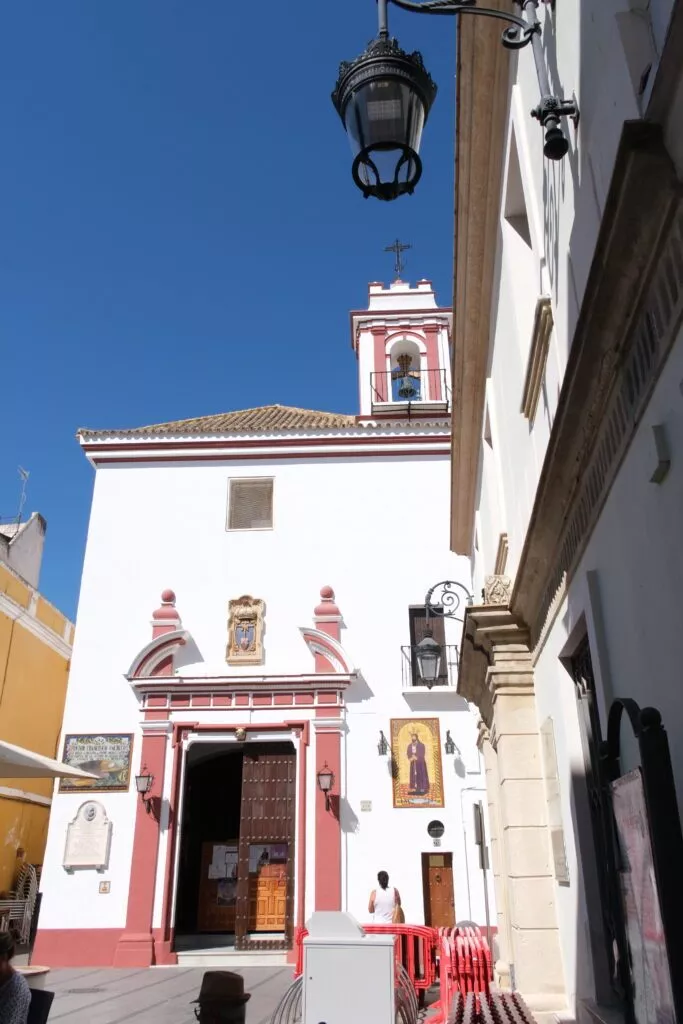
{"points": [[634, 560], [357, 524]]}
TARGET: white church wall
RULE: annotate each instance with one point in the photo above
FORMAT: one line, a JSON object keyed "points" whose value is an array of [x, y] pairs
{"points": [[375, 529]]}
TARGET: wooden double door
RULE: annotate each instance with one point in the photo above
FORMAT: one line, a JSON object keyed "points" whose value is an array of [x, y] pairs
{"points": [[437, 884], [265, 883]]}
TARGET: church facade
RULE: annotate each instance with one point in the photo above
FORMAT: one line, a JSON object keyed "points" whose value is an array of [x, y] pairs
{"points": [[273, 737]]}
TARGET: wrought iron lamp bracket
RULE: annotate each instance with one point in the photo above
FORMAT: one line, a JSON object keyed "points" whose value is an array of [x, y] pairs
{"points": [[444, 599], [520, 32], [515, 37]]}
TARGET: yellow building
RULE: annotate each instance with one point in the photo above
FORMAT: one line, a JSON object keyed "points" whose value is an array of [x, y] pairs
{"points": [[35, 653]]}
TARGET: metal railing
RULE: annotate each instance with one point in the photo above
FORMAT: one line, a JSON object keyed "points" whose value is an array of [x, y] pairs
{"points": [[414, 386], [448, 669]]}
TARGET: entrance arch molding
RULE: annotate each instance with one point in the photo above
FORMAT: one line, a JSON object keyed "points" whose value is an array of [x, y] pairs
{"points": [[188, 734]]}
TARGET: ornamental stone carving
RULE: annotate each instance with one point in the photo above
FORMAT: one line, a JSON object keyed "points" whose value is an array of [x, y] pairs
{"points": [[497, 589], [245, 631]]}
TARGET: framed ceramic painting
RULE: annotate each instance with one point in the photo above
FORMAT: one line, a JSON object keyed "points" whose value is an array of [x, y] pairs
{"points": [[106, 755], [416, 762]]}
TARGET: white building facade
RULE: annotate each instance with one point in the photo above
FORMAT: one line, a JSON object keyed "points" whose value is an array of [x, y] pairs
{"points": [[568, 488], [280, 664]]}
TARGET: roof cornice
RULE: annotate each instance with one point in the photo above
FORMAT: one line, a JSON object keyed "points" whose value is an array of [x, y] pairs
{"points": [[482, 91]]}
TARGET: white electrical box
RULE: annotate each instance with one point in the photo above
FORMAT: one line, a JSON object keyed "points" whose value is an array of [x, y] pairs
{"points": [[348, 975]]}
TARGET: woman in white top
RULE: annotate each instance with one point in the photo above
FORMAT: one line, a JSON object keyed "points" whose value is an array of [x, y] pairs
{"points": [[383, 901]]}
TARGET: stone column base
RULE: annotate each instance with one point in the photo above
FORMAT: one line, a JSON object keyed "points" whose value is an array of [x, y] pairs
{"points": [[134, 950]]}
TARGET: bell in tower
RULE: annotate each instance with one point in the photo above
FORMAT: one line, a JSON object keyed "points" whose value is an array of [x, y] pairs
{"points": [[405, 381]]}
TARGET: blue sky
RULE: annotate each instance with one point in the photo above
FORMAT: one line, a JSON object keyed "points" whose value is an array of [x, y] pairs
{"points": [[180, 233]]}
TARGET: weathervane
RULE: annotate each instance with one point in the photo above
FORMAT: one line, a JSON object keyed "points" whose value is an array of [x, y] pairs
{"points": [[399, 263]]}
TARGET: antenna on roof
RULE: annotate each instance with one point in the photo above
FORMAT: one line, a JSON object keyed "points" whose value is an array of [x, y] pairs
{"points": [[23, 476]]}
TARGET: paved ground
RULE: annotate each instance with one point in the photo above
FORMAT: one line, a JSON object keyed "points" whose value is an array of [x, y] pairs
{"points": [[164, 994]]}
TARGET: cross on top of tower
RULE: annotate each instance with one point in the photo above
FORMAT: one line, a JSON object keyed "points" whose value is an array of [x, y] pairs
{"points": [[398, 248]]}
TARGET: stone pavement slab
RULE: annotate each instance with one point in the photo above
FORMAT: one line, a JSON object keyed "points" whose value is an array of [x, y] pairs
{"points": [[153, 996]]}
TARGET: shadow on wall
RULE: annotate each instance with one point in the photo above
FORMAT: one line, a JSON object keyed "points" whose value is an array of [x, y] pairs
{"points": [[358, 691]]}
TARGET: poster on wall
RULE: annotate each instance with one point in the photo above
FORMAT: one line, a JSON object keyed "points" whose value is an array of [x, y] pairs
{"points": [[416, 762], [107, 756], [652, 995]]}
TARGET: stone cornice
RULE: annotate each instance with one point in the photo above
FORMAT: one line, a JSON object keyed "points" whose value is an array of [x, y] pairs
{"points": [[482, 91], [641, 205]]}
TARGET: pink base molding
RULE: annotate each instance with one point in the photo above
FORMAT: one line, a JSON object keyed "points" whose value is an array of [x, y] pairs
{"points": [[101, 947], [76, 947]]}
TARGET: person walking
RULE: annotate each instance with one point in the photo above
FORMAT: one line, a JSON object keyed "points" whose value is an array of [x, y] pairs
{"points": [[385, 902], [15, 995]]}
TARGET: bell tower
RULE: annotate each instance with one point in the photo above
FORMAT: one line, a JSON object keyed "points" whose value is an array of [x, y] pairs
{"points": [[402, 344]]}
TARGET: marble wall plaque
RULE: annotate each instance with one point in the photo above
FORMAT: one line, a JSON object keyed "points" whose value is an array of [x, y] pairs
{"points": [[88, 839]]}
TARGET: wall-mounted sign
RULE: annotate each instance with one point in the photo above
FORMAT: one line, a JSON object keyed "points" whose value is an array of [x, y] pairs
{"points": [[88, 839], [105, 755], [366, 805], [105, 888], [650, 968]]}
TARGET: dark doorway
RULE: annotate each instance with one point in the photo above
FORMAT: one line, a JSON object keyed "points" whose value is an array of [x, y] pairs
{"points": [[211, 821], [236, 860]]}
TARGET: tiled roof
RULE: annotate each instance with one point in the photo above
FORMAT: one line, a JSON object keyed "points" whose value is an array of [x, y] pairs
{"points": [[261, 420]]}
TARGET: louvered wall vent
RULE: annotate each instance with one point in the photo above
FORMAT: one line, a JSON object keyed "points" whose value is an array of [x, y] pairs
{"points": [[250, 505]]}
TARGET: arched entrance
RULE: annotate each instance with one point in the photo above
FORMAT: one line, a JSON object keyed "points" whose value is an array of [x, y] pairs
{"points": [[236, 849]]}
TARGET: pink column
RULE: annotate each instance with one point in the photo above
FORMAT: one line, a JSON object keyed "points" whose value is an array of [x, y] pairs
{"points": [[327, 822], [136, 946], [433, 392]]}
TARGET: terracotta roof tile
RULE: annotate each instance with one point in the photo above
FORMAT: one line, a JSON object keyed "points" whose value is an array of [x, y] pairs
{"points": [[264, 419]]}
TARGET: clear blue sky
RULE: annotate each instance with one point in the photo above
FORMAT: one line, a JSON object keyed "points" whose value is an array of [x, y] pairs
{"points": [[179, 230]]}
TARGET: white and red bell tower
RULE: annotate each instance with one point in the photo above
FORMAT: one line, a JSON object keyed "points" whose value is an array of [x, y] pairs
{"points": [[402, 344]]}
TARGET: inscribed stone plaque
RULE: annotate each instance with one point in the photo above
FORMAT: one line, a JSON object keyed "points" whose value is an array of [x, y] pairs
{"points": [[366, 805], [88, 839]]}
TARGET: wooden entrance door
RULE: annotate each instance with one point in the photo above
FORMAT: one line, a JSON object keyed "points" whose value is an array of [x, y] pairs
{"points": [[265, 891], [437, 881]]}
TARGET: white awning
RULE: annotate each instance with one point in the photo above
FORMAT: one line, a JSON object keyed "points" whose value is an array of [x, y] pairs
{"points": [[19, 763]]}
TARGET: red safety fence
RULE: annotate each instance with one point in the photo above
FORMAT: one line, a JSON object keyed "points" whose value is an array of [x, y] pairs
{"points": [[459, 959]]}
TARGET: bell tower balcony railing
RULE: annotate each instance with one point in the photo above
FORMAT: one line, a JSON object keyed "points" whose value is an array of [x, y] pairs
{"points": [[416, 390]]}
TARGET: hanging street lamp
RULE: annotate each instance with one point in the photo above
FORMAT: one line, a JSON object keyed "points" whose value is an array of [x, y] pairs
{"points": [[384, 96], [428, 657]]}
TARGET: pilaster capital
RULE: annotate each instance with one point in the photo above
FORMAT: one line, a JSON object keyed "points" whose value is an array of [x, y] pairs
{"points": [[495, 657]]}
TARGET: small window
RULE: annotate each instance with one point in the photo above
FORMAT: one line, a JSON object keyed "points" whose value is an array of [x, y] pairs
{"points": [[250, 505]]}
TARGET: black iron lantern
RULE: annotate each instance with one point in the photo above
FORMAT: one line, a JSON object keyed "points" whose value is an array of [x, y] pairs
{"points": [[144, 782], [325, 783], [382, 746], [383, 98], [428, 655], [449, 745]]}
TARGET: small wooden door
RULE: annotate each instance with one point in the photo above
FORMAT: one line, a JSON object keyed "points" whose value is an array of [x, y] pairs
{"points": [[268, 899], [437, 881]]}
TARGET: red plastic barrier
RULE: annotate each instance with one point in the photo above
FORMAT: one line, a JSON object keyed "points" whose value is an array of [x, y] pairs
{"points": [[416, 950]]}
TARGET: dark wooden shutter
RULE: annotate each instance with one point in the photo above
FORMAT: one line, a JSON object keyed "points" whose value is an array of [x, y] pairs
{"points": [[268, 816], [419, 624], [251, 505]]}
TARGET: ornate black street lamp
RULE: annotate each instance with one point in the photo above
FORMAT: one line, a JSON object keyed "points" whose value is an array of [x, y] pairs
{"points": [[384, 97]]}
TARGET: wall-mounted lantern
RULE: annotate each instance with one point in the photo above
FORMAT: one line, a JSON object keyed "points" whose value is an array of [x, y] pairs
{"points": [[384, 96], [382, 746], [325, 783], [143, 783]]}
